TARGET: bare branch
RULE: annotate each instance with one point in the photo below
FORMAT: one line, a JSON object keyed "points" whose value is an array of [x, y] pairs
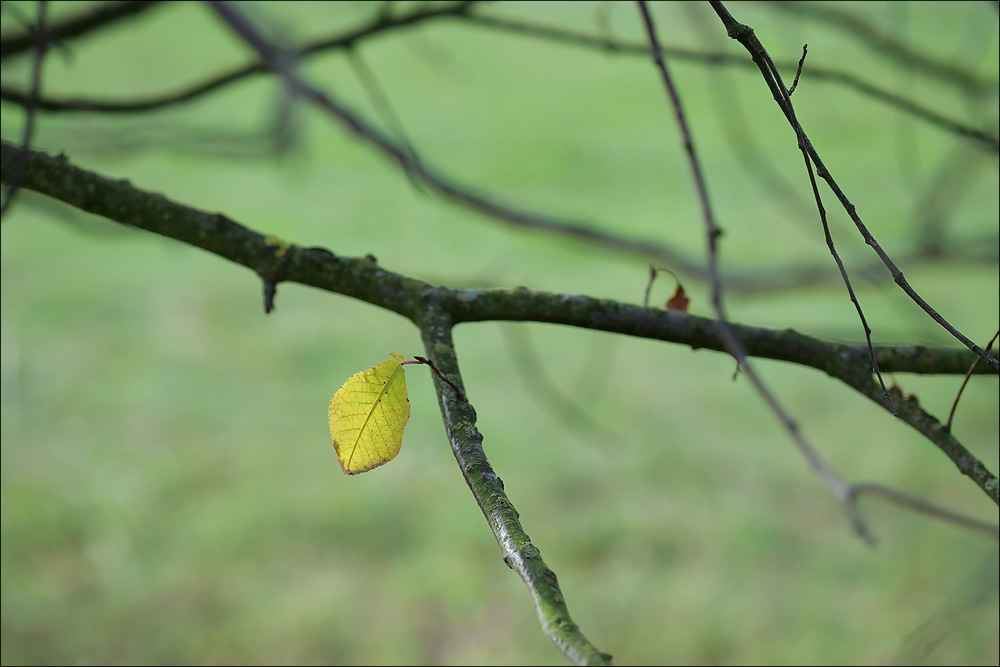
{"points": [[965, 381], [460, 193], [379, 24], [435, 325], [926, 507], [890, 47], [798, 70], [41, 37], [363, 279], [816, 73], [518, 552], [745, 35], [732, 344], [90, 19]]}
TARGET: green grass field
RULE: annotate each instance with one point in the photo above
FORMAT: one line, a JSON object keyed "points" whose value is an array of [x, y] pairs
{"points": [[169, 491]]}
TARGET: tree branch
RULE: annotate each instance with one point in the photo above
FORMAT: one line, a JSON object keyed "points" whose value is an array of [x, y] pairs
{"points": [[745, 281], [466, 443], [732, 344], [42, 38], [361, 278], [744, 34], [816, 72], [92, 18], [928, 508], [890, 47], [379, 24]]}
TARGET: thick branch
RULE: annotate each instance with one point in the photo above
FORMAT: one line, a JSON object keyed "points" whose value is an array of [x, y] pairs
{"points": [[487, 488], [361, 278]]}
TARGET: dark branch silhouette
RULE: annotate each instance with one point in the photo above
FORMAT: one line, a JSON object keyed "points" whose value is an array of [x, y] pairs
{"points": [[745, 35], [86, 22], [436, 309]]}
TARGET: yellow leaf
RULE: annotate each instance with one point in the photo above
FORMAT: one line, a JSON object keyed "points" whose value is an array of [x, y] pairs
{"points": [[368, 415]]}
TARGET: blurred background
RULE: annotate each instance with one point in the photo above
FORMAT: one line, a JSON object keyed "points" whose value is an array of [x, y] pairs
{"points": [[169, 490]]}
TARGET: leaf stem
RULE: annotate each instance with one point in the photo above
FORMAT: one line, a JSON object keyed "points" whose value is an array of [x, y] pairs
{"points": [[444, 378]]}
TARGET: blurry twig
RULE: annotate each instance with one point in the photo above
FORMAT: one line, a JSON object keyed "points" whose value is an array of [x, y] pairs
{"points": [[713, 232], [382, 23], [965, 381], [92, 18], [952, 616], [379, 24], [530, 369], [816, 73], [926, 507], [380, 101], [280, 64], [42, 40], [937, 196], [886, 44]]}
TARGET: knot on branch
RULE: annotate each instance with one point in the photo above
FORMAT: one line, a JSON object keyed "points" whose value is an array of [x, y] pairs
{"points": [[739, 31], [271, 268]]}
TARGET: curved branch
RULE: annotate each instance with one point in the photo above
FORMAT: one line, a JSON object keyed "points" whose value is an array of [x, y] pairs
{"points": [[890, 47], [733, 346], [815, 72], [83, 23], [924, 507], [361, 278], [747, 281], [379, 24], [466, 443], [42, 39]]}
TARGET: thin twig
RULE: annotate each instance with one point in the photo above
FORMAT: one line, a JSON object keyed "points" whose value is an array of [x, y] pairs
{"points": [[42, 41], [745, 35], [886, 43], [733, 346], [377, 25], [442, 376], [547, 393], [790, 112], [798, 70], [90, 19], [926, 507], [653, 271], [816, 72], [649, 286], [382, 105], [965, 381]]}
